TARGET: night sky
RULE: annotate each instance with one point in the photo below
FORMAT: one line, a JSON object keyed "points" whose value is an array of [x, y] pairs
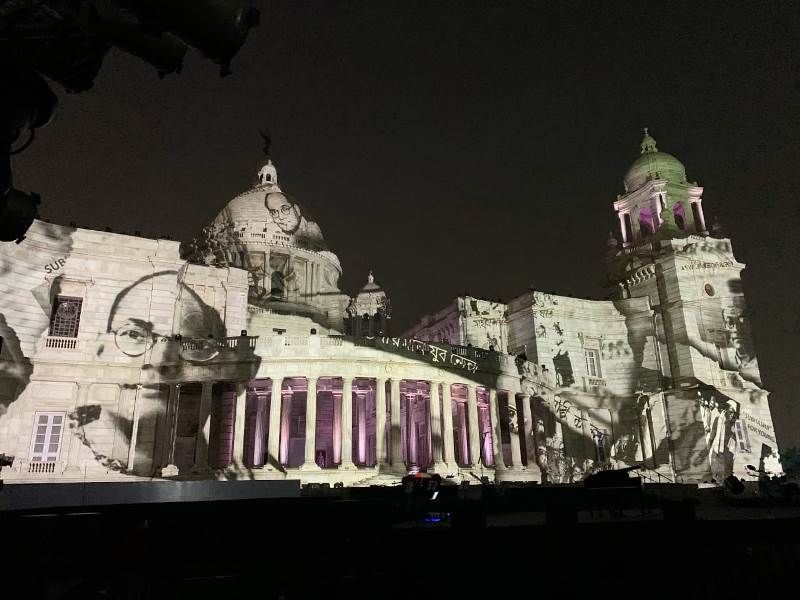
{"points": [[457, 147]]}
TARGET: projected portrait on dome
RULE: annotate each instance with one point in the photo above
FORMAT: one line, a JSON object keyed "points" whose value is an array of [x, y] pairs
{"points": [[291, 222]]}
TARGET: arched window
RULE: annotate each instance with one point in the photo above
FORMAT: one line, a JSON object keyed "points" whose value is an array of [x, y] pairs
{"points": [[680, 216]]}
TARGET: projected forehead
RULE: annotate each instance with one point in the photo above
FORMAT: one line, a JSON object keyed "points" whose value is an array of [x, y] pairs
{"points": [[277, 203], [132, 317]]}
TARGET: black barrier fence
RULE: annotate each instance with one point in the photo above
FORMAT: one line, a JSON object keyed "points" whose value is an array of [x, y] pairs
{"points": [[28, 496]]}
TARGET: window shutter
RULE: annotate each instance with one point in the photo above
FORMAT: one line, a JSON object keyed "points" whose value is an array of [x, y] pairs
{"points": [[47, 433]]}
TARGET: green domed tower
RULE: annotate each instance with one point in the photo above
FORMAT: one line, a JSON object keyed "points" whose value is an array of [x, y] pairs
{"points": [[712, 406], [658, 194]]}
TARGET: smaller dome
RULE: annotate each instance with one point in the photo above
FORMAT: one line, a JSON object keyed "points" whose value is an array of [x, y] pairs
{"points": [[268, 174], [653, 164], [371, 286]]}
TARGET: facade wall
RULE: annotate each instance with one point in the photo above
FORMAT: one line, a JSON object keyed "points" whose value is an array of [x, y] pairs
{"points": [[135, 296]]}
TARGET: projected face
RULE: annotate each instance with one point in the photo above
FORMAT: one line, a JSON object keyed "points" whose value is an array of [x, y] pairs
{"points": [[737, 327], [285, 214], [134, 335]]}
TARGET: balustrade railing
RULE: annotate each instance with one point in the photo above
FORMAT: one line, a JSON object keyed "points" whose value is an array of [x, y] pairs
{"points": [[230, 343], [61, 343], [36, 467]]}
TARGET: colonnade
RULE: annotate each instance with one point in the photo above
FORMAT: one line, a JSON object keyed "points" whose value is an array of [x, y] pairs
{"points": [[414, 426], [691, 212]]}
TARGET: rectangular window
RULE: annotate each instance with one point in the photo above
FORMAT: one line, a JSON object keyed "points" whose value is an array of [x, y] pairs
{"points": [[592, 363], [598, 437], [742, 443], [66, 317], [48, 428]]}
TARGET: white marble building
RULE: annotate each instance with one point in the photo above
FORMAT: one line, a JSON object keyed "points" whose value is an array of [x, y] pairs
{"points": [[121, 360]]}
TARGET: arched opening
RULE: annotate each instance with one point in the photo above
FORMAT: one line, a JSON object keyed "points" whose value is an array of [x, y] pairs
{"points": [[646, 228], [680, 215]]}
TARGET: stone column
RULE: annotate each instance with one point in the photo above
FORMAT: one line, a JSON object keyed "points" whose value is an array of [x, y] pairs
{"points": [[274, 435], [309, 462], [447, 434], [137, 411], [239, 424], [286, 410], [167, 444], [497, 440], [337, 428], [397, 450], [75, 443], [380, 424], [203, 429], [622, 227], [436, 429], [474, 431], [516, 451], [347, 425], [530, 439], [701, 226]]}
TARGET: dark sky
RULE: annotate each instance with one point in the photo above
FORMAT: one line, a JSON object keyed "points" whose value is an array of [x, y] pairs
{"points": [[458, 147]]}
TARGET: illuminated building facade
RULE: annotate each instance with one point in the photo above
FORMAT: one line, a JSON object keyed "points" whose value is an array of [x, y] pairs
{"points": [[123, 360]]}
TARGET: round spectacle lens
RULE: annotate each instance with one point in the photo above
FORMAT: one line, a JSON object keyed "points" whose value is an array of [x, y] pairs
{"points": [[132, 339]]}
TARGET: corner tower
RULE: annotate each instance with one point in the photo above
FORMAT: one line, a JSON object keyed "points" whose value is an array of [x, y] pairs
{"points": [[711, 381], [657, 192]]}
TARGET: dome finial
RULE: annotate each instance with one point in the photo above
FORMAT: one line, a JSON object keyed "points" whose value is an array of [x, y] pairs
{"points": [[370, 277], [648, 143], [267, 174]]}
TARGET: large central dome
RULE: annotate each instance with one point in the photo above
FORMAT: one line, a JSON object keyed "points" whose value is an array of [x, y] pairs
{"points": [[653, 164], [291, 272]]}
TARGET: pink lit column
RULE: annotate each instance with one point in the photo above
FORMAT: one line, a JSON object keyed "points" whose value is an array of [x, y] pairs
{"points": [[380, 423], [397, 450], [497, 440], [436, 426], [274, 435], [447, 434], [347, 425], [309, 464], [474, 432], [516, 452]]}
